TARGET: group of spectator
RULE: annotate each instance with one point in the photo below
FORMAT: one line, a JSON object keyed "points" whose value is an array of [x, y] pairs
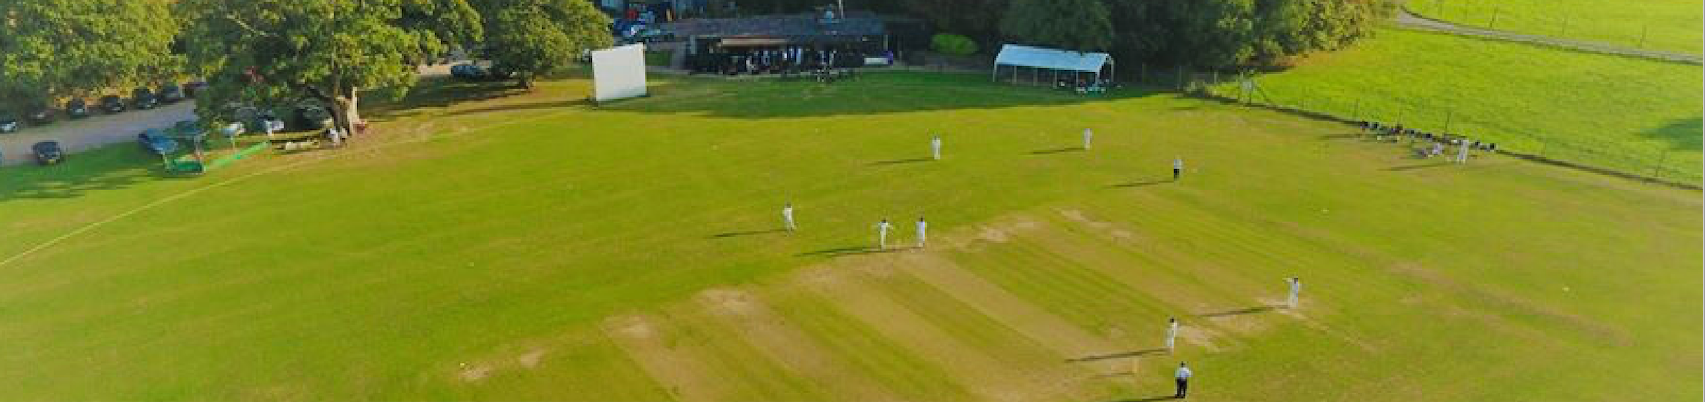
{"points": [[1396, 132], [775, 61]]}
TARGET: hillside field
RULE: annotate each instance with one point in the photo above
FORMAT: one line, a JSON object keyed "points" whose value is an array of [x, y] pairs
{"points": [[1672, 25], [1626, 114], [485, 244]]}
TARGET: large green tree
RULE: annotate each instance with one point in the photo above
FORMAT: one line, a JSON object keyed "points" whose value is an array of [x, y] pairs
{"points": [[1226, 33], [978, 19], [55, 48], [275, 51], [534, 37], [1082, 25]]}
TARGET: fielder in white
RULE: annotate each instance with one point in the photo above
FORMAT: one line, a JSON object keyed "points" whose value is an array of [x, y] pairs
{"points": [[1296, 287], [787, 217], [1177, 167], [923, 227], [935, 147], [1171, 333], [1087, 137], [1462, 152], [882, 234]]}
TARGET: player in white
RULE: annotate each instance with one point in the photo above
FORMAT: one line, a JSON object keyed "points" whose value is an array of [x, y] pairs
{"points": [[935, 147], [1296, 287], [1177, 167], [1462, 152], [787, 217], [923, 227], [882, 234], [1087, 136], [1171, 333]]}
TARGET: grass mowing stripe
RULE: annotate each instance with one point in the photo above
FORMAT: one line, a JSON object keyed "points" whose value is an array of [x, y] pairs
{"points": [[874, 355]]}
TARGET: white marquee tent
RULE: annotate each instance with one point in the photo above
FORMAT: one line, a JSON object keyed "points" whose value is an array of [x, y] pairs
{"points": [[1055, 60]]}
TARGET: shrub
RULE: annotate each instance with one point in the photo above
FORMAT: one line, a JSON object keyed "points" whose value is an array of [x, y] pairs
{"points": [[953, 44]]}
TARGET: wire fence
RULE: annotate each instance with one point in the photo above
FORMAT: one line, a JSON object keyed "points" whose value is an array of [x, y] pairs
{"points": [[1666, 165], [1641, 30]]}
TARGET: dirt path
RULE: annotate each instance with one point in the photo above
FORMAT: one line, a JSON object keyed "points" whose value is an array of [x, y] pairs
{"points": [[1410, 20]]}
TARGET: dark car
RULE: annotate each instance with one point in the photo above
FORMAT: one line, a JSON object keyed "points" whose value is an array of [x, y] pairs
{"points": [[112, 104], [186, 128], [171, 93], [8, 122], [156, 141], [48, 152], [469, 72], [77, 108], [39, 115], [142, 98], [193, 87], [312, 116]]}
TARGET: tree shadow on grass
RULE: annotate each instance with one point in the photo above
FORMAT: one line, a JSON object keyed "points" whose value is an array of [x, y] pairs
{"points": [[1241, 311], [109, 167], [520, 106], [1682, 135], [439, 92], [873, 93]]}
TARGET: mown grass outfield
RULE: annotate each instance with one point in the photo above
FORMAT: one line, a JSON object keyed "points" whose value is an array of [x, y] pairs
{"points": [[1627, 114], [1673, 25], [533, 247]]}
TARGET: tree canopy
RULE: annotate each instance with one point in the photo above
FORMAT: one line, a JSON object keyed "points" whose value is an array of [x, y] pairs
{"points": [[1081, 25], [56, 48], [273, 52], [533, 37], [1206, 33]]}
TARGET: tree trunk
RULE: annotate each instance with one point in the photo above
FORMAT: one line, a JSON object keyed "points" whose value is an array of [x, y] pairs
{"points": [[345, 111]]}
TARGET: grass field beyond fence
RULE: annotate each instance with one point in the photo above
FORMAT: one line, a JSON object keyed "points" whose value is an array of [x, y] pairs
{"points": [[1673, 25], [1631, 115]]}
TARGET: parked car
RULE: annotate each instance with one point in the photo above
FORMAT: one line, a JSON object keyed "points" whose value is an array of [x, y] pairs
{"points": [[312, 116], [499, 72], [48, 152], [39, 115], [186, 128], [8, 122], [142, 98], [192, 87], [269, 122], [171, 93], [153, 140], [77, 108], [112, 104], [469, 72]]}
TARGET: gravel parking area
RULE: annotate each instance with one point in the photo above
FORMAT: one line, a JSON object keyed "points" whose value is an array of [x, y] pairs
{"points": [[83, 134]]}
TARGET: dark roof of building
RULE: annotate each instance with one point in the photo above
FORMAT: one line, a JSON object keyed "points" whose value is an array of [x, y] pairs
{"points": [[776, 26]]}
